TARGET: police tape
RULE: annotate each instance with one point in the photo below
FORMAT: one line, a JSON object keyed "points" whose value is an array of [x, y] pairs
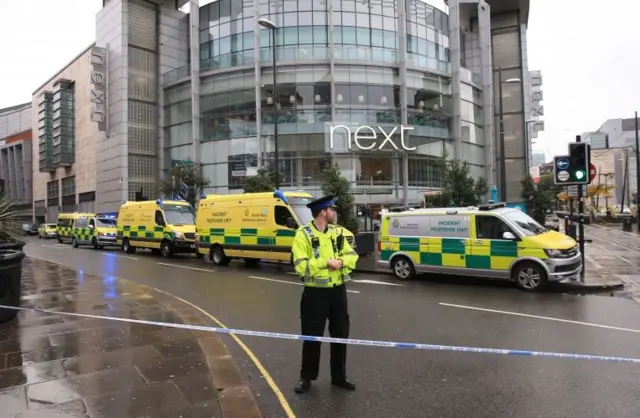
{"points": [[349, 341]]}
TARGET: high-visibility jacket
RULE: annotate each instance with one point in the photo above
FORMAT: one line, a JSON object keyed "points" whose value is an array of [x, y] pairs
{"points": [[311, 263]]}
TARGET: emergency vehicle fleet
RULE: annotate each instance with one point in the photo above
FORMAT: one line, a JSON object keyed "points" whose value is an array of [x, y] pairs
{"points": [[491, 241]]}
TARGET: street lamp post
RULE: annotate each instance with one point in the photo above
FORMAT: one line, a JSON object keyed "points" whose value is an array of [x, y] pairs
{"points": [[266, 23], [503, 164], [637, 175]]}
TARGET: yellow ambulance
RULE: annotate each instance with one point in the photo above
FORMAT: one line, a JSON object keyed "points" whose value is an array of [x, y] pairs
{"points": [[252, 226], [65, 224], [492, 241], [165, 227], [98, 231]]}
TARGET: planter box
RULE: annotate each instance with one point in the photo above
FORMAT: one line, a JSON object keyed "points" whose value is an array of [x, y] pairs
{"points": [[12, 245], [10, 282]]}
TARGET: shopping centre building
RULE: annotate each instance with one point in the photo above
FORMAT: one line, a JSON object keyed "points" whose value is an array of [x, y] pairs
{"points": [[380, 87]]}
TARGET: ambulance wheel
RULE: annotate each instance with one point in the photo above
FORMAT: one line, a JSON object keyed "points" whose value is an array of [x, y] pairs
{"points": [[127, 248], [218, 257], [403, 268], [165, 247], [530, 276], [74, 243], [59, 240], [94, 242]]}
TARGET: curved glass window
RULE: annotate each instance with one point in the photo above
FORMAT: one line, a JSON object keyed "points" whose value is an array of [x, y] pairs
{"points": [[361, 32]]}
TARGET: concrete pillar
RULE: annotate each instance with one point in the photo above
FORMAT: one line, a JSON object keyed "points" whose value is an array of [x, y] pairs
{"points": [[455, 47], [194, 28], [258, 80], [486, 60], [402, 56]]}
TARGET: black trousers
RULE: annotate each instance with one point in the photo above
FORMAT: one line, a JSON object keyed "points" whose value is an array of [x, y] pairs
{"points": [[316, 306]]}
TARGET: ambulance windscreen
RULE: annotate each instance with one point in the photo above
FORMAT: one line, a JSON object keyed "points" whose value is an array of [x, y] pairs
{"points": [[179, 214]]}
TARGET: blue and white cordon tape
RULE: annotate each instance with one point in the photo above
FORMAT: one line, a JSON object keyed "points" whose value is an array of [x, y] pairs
{"points": [[413, 346]]}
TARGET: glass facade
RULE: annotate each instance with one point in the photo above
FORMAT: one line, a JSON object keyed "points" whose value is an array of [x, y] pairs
{"points": [[45, 132], [363, 31], [64, 126], [338, 65], [507, 54], [142, 129]]}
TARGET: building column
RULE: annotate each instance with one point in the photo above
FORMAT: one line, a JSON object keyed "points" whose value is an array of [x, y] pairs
{"points": [[455, 47], [402, 71], [486, 62], [194, 27], [258, 81]]}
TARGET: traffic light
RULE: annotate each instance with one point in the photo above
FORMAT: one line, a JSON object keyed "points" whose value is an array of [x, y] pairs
{"points": [[579, 162]]}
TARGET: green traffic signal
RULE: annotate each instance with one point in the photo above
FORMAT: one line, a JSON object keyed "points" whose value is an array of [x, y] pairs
{"points": [[580, 175]]}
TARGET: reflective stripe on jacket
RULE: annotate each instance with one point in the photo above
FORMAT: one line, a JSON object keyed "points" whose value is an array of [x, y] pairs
{"points": [[311, 265]]}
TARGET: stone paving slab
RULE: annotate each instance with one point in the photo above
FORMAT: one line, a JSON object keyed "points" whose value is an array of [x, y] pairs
{"points": [[63, 366]]}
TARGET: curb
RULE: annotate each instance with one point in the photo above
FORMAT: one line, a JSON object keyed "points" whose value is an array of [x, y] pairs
{"points": [[573, 285], [234, 395]]}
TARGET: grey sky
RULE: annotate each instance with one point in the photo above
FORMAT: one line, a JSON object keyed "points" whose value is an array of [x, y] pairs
{"points": [[586, 54]]}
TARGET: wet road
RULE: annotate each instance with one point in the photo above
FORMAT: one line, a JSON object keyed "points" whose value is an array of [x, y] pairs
{"points": [[404, 383]]}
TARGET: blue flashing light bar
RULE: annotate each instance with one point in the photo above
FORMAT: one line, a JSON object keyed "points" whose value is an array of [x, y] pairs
{"points": [[159, 203], [107, 215], [278, 194]]}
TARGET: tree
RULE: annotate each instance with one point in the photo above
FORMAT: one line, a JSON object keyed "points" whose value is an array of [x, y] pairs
{"points": [[337, 185], [264, 181], [458, 187], [186, 182], [539, 199]]}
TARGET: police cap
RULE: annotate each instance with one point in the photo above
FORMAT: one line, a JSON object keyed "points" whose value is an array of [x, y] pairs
{"points": [[322, 203]]}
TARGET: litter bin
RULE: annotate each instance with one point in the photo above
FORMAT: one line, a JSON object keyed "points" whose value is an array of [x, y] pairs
{"points": [[627, 223], [10, 282], [571, 230]]}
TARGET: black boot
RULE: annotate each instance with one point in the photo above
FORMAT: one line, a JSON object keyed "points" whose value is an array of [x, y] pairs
{"points": [[303, 386], [345, 384]]}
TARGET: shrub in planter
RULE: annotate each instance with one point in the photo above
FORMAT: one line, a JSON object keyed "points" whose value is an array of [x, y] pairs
{"points": [[11, 232], [11, 257]]}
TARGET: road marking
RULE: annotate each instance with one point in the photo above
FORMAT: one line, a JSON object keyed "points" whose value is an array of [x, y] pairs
{"points": [[625, 260], [267, 377], [56, 246], [120, 256], [594, 262], [377, 282], [186, 267], [568, 321], [288, 282], [599, 246]]}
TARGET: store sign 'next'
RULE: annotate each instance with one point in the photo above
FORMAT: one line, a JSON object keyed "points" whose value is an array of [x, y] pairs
{"points": [[370, 137], [98, 59]]}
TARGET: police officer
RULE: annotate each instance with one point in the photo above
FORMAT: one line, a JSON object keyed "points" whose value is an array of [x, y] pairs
{"points": [[323, 258]]}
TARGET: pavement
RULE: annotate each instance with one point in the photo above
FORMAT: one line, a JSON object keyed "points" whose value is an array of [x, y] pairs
{"points": [[397, 382], [56, 365]]}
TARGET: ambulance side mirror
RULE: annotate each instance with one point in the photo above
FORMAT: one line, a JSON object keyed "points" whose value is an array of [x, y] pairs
{"points": [[509, 236]]}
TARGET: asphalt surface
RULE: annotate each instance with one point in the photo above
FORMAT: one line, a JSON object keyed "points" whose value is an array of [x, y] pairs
{"points": [[399, 382]]}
